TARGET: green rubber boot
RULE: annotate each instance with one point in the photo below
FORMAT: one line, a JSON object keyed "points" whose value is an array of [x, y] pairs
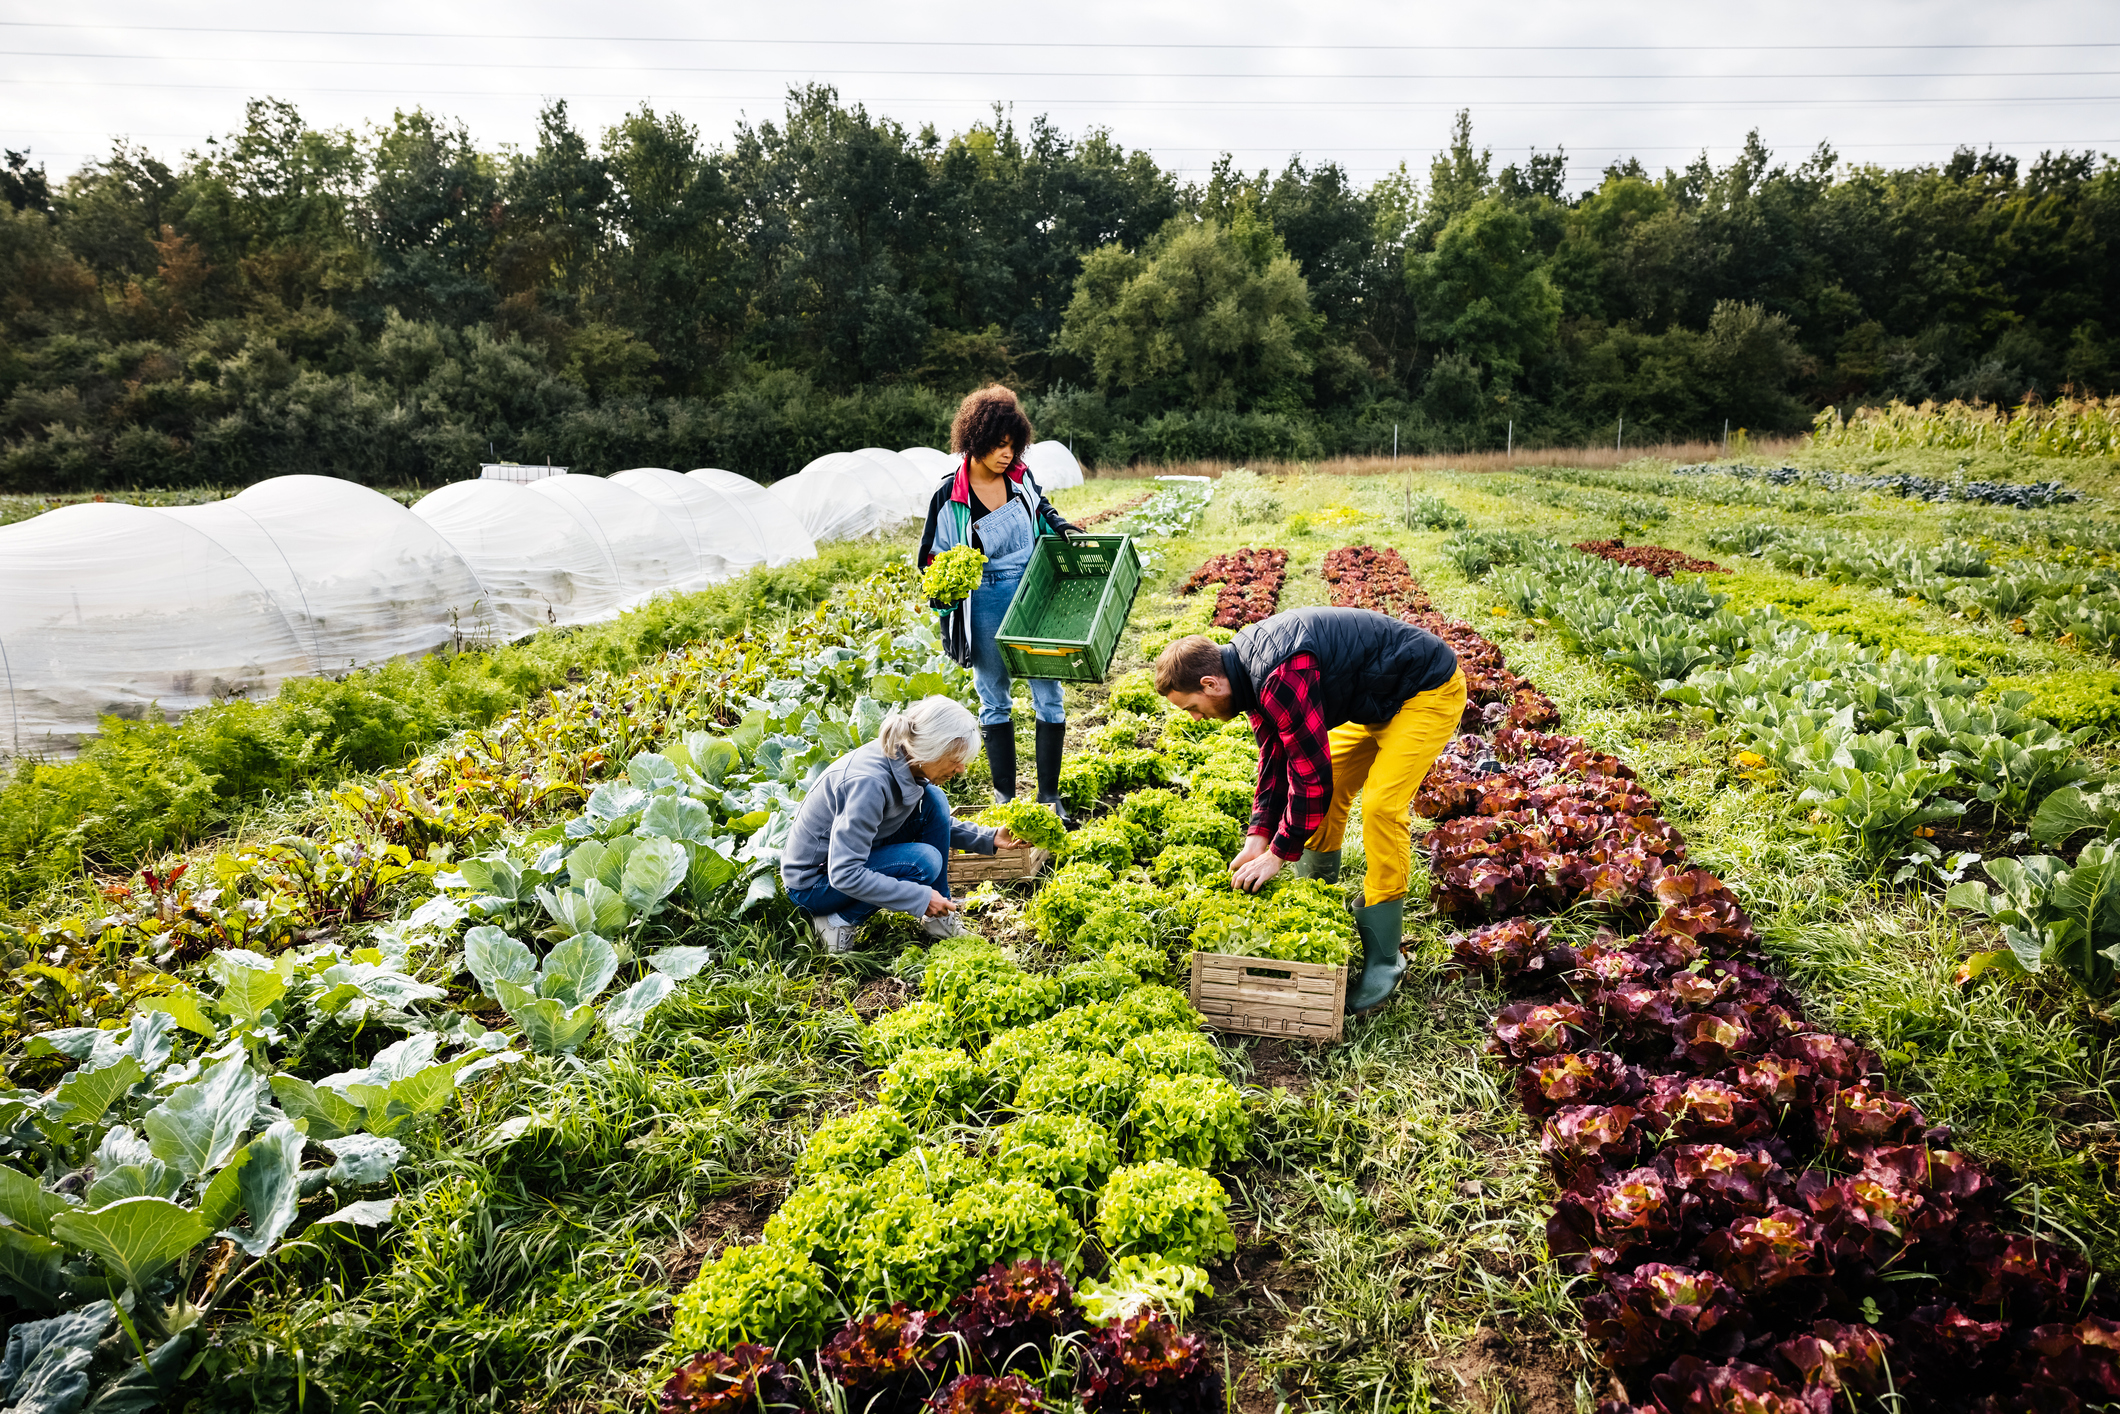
{"points": [[1319, 864], [1382, 926]]}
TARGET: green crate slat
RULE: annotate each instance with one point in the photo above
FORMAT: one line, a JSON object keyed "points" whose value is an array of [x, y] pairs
{"points": [[1070, 608]]}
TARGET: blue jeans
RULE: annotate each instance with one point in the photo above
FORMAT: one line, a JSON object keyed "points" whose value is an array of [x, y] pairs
{"points": [[989, 602], [918, 850]]}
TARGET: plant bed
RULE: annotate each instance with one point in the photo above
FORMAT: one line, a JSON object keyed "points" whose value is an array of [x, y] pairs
{"points": [[1250, 584], [1655, 559], [1265, 996]]}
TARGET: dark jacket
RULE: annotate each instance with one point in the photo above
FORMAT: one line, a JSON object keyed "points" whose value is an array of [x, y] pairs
{"points": [[859, 799], [1368, 663], [1022, 481]]}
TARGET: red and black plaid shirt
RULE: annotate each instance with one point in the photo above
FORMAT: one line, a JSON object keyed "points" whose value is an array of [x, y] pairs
{"points": [[1295, 758]]}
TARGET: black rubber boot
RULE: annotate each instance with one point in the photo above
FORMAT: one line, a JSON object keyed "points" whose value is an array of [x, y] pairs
{"points": [[1001, 759], [1052, 742]]}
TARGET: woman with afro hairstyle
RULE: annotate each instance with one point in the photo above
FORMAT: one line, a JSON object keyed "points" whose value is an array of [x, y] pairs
{"points": [[991, 502]]}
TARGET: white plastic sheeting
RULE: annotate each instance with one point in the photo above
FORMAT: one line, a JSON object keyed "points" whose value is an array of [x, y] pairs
{"points": [[933, 464], [359, 577], [844, 497], [529, 552], [781, 538], [917, 486], [651, 553], [119, 610], [723, 538], [111, 609], [1053, 465]]}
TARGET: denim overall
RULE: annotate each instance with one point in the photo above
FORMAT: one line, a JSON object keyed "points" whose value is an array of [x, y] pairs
{"points": [[1006, 536]]}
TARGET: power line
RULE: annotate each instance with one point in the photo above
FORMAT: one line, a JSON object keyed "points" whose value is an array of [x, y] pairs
{"points": [[986, 43], [1042, 73], [1615, 104], [1324, 149]]}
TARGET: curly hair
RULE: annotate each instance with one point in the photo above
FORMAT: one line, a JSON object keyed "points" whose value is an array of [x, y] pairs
{"points": [[988, 418]]}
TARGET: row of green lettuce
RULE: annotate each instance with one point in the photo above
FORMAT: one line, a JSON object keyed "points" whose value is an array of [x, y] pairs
{"points": [[1877, 750]]}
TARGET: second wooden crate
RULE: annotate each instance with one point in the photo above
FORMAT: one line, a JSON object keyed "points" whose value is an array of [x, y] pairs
{"points": [[1264, 996], [1002, 866]]}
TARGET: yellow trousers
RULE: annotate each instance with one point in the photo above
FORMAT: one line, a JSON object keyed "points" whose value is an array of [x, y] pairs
{"points": [[1387, 764]]}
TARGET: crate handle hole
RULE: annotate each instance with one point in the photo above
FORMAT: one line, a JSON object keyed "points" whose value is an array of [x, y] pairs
{"points": [[1277, 975]]}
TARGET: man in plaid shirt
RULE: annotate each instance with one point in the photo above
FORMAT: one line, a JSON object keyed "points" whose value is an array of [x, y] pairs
{"points": [[1342, 701]]}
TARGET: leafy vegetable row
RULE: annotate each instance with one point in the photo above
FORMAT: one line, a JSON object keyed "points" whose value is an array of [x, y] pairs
{"points": [[1770, 1227], [1919, 488], [1247, 584], [1879, 749], [2076, 604], [1655, 559], [247, 1072]]}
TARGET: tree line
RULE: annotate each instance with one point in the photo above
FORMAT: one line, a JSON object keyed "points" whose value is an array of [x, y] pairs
{"points": [[399, 305]]}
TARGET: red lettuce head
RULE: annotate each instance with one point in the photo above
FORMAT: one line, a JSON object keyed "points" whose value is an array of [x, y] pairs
{"points": [[1647, 1316], [987, 1394], [1694, 1108], [898, 1349], [1526, 1029], [1836, 1356], [1941, 1346], [1576, 1078], [1600, 1134], [1772, 1081], [1854, 1117], [1692, 1386], [1515, 948], [1145, 1362], [2082, 1358], [2027, 1276], [1832, 1058], [1015, 1313], [1727, 1180], [744, 1379], [1762, 1254]]}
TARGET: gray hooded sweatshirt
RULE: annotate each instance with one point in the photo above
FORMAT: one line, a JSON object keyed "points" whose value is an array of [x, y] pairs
{"points": [[861, 798]]}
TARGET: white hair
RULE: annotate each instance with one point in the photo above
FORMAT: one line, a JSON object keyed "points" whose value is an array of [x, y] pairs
{"points": [[929, 732]]}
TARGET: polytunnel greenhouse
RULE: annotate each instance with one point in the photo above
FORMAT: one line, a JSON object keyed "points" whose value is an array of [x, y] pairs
{"points": [[779, 538], [109, 609], [845, 497]]}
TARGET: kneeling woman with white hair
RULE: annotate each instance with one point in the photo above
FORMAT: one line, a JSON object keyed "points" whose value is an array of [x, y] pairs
{"points": [[875, 831]]}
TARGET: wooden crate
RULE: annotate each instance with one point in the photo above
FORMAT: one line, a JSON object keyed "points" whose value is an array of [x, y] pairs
{"points": [[1002, 866], [1264, 996]]}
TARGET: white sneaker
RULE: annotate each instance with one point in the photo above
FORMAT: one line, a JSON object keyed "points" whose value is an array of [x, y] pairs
{"points": [[834, 932], [949, 925]]}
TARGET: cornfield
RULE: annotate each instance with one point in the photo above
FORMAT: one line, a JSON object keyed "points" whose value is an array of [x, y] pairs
{"points": [[2070, 427]]}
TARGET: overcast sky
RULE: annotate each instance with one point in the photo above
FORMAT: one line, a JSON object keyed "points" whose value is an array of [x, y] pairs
{"points": [[1363, 84]]}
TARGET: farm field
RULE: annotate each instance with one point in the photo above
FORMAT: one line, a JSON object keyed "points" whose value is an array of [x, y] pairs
{"points": [[509, 1079]]}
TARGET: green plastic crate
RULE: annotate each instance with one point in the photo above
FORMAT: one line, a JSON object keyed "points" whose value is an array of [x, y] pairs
{"points": [[1069, 608]]}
